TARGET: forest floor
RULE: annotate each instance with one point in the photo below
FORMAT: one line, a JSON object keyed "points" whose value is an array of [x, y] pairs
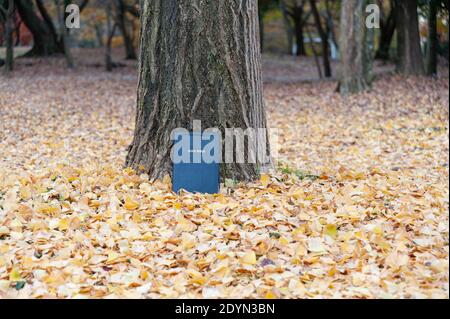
{"points": [[357, 207]]}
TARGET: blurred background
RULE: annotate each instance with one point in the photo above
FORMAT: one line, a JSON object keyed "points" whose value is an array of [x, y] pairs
{"points": [[292, 34]]}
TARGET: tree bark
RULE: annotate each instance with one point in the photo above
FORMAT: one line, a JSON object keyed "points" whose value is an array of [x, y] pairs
{"points": [[432, 45], [200, 60], [45, 42], [355, 74], [324, 39], [410, 59]]}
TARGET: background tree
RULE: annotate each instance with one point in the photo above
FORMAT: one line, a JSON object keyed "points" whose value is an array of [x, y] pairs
{"points": [[7, 15], [45, 38], [432, 43], [111, 26], [264, 6], [199, 61], [387, 28], [295, 10], [355, 53], [122, 22], [63, 31], [409, 52], [323, 37], [288, 27]]}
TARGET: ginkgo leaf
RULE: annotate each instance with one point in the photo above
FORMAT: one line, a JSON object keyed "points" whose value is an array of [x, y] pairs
{"points": [[14, 275], [265, 180], [130, 203], [249, 258]]}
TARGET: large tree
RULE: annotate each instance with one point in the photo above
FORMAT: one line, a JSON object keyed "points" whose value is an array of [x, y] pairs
{"points": [[199, 60], [409, 52], [354, 48]]}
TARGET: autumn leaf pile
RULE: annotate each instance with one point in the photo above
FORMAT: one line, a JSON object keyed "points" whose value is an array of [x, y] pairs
{"points": [[357, 206]]}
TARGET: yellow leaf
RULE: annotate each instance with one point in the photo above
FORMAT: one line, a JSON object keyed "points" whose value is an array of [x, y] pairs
{"points": [[196, 277], [64, 224], [14, 275], [249, 258], [167, 180], [270, 295], [130, 203], [265, 180], [25, 193], [283, 241], [48, 209], [331, 230]]}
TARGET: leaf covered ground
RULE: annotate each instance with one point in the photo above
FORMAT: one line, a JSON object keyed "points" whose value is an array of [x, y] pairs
{"points": [[357, 207]]}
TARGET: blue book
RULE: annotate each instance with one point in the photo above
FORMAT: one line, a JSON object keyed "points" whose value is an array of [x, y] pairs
{"points": [[196, 159]]}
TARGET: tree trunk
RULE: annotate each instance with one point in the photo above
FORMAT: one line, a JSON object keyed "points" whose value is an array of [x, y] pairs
{"points": [[355, 74], [64, 35], [410, 59], [9, 28], [110, 29], [130, 52], [200, 60], [99, 34], [324, 39], [45, 42], [432, 45], [288, 27], [17, 32], [298, 25], [387, 30]]}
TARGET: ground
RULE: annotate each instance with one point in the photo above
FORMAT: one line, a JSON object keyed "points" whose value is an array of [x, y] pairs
{"points": [[357, 206]]}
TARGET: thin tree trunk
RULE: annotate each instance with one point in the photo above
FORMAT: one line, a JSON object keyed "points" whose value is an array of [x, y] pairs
{"points": [[17, 31], [356, 42], [60, 7], [9, 28], [111, 29], [324, 39], [432, 45], [200, 60], [316, 55], [288, 27], [410, 59], [99, 34]]}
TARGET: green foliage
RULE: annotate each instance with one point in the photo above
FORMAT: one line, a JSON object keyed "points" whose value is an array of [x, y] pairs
{"points": [[299, 173]]}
